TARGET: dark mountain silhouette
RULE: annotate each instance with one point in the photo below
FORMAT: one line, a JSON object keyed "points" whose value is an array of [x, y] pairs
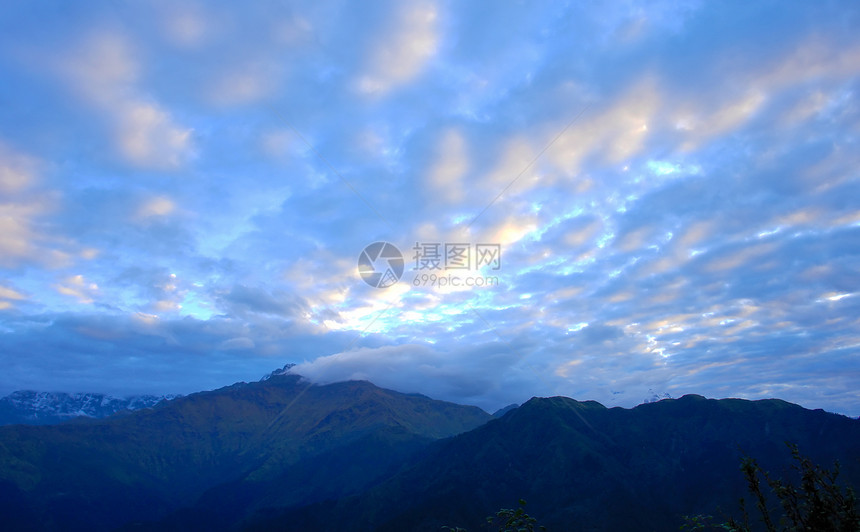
{"points": [[502, 411], [282, 454], [280, 442], [582, 466]]}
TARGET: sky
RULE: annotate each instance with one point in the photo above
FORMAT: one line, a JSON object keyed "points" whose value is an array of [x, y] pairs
{"points": [[628, 199]]}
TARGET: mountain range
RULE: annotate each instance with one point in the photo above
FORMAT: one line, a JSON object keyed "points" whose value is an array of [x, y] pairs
{"points": [[582, 466], [284, 454], [47, 408], [28, 407]]}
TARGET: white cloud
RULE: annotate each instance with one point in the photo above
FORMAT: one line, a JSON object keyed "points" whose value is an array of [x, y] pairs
{"points": [[729, 115], [615, 130], [24, 209], [401, 56], [9, 296], [148, 138], [165, 305], [156, 207], [105, 71], [460, 376], [185, 24], [246, 83], [18, 238], [76, 286], [17, 170], [8, 293], [446, 177]]}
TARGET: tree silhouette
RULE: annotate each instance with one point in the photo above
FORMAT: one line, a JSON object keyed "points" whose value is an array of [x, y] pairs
{"points": [[817, 504]]}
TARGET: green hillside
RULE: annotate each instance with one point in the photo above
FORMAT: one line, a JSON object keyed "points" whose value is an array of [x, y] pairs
{"points": [[262, 436]]}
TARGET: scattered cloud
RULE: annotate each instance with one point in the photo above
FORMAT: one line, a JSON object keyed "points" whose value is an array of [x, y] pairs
{"points": [[673, 185]]}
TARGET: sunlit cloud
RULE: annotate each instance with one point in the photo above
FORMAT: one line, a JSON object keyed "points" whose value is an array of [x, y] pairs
{"points": [[156, 207], [401, 55], [104, 70], [25, 206], [9, 297], [76, 286]]}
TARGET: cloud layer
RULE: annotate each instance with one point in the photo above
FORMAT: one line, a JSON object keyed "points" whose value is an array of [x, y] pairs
{"points": [[185, 189]]}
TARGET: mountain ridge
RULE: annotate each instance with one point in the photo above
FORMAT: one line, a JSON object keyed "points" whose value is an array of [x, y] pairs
{"points": [[149, 463], [284, 453], [583, 466], [31, 407]]}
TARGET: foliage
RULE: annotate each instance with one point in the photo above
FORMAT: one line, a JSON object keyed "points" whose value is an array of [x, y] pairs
{"points": [[818, 504], [703, 522], [518, 520], [507, 520]]}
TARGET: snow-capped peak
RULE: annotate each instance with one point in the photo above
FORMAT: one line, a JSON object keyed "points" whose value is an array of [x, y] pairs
{"points": [[43, 408], [282, 371]]}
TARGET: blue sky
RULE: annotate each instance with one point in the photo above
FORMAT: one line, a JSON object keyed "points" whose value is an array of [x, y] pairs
{"points": [[186, 187]]}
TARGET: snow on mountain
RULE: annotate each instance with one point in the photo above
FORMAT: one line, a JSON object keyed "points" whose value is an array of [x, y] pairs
{"points": [[45, 408], [656, 397], [282, 371]]}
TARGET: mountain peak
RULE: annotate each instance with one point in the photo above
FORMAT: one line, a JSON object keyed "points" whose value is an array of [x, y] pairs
{"points": [[502, 411], [561, 401], [278, 372]]}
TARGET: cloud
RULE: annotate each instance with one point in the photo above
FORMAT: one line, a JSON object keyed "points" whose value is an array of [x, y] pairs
{"points": [[693, 231], [148, 137], [456, 374], [27, 234], [17, 236], [402, 53], [241, 299], [76, 286], [446, 178], [237, 344], [17, 170], [247, 83], [104, 70], [9, 297], [156, 207], [8, 293], [186, 25]]}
